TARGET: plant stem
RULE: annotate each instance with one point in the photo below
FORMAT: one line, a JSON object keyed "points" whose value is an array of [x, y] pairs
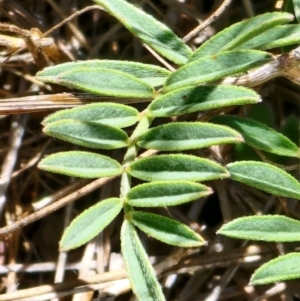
{"points": [[131, 153]]}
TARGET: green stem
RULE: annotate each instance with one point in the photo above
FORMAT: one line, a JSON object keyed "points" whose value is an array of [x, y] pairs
{"points": [[131, 153]]}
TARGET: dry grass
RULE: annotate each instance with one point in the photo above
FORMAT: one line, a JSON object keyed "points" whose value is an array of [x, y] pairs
{"points": [[29, 256]]}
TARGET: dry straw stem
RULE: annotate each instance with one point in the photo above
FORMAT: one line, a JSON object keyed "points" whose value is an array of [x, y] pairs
{"points": [[16, 135], [95, 282], [283, 65], [15, 43], [64, 289], [55, 206], [81, 38], [209, 20], [33, 42], [39, 103]]}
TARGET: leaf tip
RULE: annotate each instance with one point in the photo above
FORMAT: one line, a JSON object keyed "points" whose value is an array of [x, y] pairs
{"points": [[209, 190], [240, 139], [252, 281], [39, 165], [62, 247]]}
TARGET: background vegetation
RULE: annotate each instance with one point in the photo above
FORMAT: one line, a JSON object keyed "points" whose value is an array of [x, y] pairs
{"points": [[30, 258]]}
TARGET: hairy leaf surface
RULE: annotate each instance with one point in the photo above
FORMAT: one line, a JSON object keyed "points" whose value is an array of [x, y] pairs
{"points": [[266, 177], [113, 114], [279, 36], [151, 74], [90, 223], [286, 267], [200, 98], [260, 136], [214, 67], [101, 81], [277, 228], [149, 30], [176, 167], [87, 134], [140, 271], [81, 164], [239, 33], [166, 230], [178, 136], [161, 194]]}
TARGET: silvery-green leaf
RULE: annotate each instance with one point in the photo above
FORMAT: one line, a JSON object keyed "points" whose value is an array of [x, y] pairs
{"points": [[81, 164], [266, 177], [200, 98], [279, 36], [176, 167], [277, 228], [215, 67], [100, 81], [178, 136], [166, 229], [148, 30], [139, 269], [167, 193], [260, 136], [87, 134], [113, 114], [238, 33], [151, 74], [90, 223], [285, 267]]}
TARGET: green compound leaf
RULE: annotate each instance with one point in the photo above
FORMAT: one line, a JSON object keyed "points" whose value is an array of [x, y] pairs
{"points": [[266, 177], [176, 167], [112, 114], [286, 267], [215, 67], [139, 269], [166, 230], [238, 33], [151, 74], [260, 136], [87, 134], [180, 136], [81, 164], [161, 194], [279, 36], [150, 31], [200, 98], [90, 223], [101, 81], [277, 228]]}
